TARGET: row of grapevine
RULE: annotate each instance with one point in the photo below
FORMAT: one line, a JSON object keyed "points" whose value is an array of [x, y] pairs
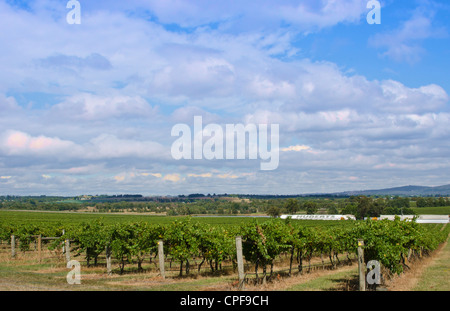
{"points": [[26, 233], [389, 242]]}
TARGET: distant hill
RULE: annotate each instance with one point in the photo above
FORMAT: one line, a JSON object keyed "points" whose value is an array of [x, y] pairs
{"points": [[405, 191]]}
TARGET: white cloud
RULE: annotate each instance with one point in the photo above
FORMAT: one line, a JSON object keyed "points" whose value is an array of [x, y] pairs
{"points": [[306, 15], [320, 14], [82, 170], [157, 175], [228, 176], [204, 175], [404, 43], [207, 76], [108, 146], [119, 178], [172, 177], [93, 107], [20, 143], [8, 104], [93, 61], [102, 147], [186, 114], [122, 79], [296, 148]]}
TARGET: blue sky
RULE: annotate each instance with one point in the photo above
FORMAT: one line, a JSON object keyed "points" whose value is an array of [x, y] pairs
{"points": [[88, 108]]}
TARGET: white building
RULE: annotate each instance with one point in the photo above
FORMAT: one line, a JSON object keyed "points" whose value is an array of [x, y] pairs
{"points": [[319, 217], [421, 219]]}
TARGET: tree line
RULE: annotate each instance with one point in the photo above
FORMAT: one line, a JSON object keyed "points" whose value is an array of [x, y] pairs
{"points": [[360, 206]]}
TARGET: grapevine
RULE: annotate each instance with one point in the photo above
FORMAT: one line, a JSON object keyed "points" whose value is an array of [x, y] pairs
{"points": [[392, 243]]}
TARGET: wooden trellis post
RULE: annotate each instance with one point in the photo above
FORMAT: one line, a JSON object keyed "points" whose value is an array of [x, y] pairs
{"points": [[67, 249], [161, 258], [361, 266], [13, 246], [240, 262], [108, 260], [40, 247]]}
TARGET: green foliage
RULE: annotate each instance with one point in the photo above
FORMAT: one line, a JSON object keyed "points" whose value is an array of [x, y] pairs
{"points": [[389, 242], [90, 239], [311, 207], [291, 206], [264, 242], [181, 240], [274, 211], [216, 244], [432, 202], [197, 204]]}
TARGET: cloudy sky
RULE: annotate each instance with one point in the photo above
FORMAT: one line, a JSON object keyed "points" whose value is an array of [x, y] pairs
{"points": [[88, 108]]}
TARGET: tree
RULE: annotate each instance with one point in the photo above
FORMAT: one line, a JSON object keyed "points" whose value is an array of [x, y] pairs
{"points": [[311, 207], [332, 210], [421, 202], [348, 208], [399, 202], [291, 206], [430, 202], [365, 207], [274, 211]]}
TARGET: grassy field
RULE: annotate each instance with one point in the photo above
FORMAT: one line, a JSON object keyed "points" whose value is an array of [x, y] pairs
{"points": [[436, 275], [441, 210], [39, 217], [26, 274], [18, 217]]}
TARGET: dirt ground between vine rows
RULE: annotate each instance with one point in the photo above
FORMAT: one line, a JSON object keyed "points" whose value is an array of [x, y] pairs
{"points": [[408, 280]]}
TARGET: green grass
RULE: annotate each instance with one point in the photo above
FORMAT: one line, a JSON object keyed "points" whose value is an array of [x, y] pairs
{"points": [[71, 218], [38, 217], [436, 276], [71, 201], [25, 273], [327, 282], [440, 210]]}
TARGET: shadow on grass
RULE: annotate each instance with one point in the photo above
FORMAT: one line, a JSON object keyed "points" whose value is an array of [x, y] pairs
{"points": [[345, 284]]}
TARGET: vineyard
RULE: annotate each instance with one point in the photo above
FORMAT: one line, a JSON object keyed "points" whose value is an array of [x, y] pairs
{"points": [[191, 245]]}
